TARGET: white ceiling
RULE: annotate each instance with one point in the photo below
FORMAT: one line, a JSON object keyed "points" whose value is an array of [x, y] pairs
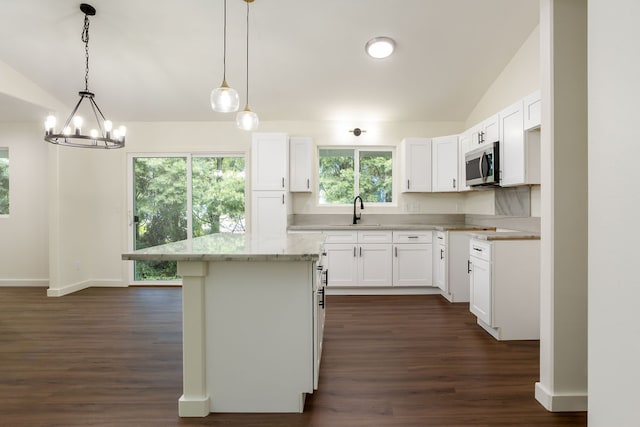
{"points": [[159, 59]]}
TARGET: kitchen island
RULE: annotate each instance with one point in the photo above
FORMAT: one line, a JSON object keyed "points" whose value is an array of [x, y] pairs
{"points": [[253, 312]]}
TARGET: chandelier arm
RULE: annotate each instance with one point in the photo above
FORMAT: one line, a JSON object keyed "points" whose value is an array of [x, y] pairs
{"points": [[96, 112], [73, 113]]}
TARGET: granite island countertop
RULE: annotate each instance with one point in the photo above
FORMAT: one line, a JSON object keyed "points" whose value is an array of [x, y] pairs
{"points": [[505, 235], [235, 247]]}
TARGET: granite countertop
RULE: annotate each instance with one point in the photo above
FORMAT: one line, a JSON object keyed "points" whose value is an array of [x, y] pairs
{"points": [[235, 247], [401, 227], [505, 235]]}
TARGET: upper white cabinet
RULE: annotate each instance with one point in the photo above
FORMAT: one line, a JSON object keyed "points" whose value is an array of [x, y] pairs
{"points": [[300, 164], [270, 161], [486, 132], [445, 163], [519, 151], [464, 145], [416, 165], [532, 111]]}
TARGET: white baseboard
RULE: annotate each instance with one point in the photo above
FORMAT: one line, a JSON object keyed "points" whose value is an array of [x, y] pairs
{"points": [[560, 402], [363, 290], [75, 287], [24, 282]]}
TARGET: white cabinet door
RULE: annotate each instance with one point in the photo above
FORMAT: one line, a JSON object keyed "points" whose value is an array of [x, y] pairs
{"points": [[300, 164], [464, 143], [341, 264], [480, 302], [445, 163], [440, 262], [269, 161], [512, 148], [486, 132], [412, 264], [532, 111], [416, 165], [374, 264], [268, 213]]}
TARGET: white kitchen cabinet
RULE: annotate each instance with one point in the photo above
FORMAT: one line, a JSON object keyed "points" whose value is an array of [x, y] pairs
{"points": [[269, 161], [532, 111], [519, 152], [412, 254], [359, 258], [464, 145], [486, 132], [300, 164], [415, 165], [269, 213], [444, 165], [440, 263], [504, 279]]}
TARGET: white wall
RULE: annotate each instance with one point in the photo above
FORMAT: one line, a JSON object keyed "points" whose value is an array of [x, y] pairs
{"points": [[519, 78], [24, 233], [614, 203]]}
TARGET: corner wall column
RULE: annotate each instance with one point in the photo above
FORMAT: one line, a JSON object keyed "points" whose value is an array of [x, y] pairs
{"points": [[194, 401], [564, 227]]}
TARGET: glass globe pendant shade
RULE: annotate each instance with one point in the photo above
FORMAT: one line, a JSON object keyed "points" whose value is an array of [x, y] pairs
{"points": [[247, 120], [225, 99]]}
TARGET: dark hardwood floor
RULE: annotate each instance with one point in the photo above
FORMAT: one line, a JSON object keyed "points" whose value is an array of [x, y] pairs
{"points": [[112, 357]]}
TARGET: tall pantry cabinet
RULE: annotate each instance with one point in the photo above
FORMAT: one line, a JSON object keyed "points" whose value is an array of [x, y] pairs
{"points": [[270, 197]]}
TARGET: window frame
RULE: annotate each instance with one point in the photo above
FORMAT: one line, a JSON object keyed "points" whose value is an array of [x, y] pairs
{"points": [[356, 173]]}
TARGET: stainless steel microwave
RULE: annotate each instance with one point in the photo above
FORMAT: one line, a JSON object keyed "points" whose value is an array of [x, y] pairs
{"points": [[483, 165]]}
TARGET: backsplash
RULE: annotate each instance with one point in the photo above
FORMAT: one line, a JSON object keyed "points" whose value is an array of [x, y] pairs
{"points": [[513, 201]]}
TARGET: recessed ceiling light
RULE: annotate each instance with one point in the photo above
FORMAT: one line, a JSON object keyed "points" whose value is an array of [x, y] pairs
{"points": [[380, 47]]}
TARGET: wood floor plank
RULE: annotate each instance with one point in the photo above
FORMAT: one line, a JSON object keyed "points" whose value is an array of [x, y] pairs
{"points": [[113, 357]]}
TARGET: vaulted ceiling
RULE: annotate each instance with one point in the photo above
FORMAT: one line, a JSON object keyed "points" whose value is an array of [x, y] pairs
{"points": [[158, 60]]}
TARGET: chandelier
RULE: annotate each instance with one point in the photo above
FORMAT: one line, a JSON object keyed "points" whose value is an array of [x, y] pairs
{"points": [[103, 135]]}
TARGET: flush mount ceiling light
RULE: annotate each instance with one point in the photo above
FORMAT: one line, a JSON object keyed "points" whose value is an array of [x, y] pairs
{"points": [[380, 47], [225, 99], [247, 119], [103, 135]]}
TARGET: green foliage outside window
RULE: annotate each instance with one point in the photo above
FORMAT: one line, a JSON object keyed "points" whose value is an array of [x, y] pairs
{"points": [[4, 181], [338, 183], [217, 197]]}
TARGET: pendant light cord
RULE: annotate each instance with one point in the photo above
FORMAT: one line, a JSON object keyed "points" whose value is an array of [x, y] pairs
{"points": [[247, 54], [224, 45], [85, 40]]}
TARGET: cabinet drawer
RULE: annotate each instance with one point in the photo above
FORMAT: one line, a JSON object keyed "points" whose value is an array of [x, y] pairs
{"points": [[374, 237], [480, 249], [341, 236], [412, 237], [440, 237]]}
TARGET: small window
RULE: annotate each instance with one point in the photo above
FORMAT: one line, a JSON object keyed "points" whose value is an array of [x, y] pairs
{"points": [[4, 181], [347, 172]]}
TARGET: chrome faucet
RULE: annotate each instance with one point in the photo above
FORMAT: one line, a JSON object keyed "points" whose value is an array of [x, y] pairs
{"points": [[357, 217]]}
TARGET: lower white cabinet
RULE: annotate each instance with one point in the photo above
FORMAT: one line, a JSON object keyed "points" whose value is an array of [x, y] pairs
{"points": [[504, 280], [359, 258], [440, 276], [379, 258]]}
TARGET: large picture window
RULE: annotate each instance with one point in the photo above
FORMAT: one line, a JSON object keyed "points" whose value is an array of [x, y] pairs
{"points": [[347, 172], [4, 181]]}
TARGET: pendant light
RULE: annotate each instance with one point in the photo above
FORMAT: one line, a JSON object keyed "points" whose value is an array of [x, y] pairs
{"points": [[102, 134], [225, 99], [247, 119]]}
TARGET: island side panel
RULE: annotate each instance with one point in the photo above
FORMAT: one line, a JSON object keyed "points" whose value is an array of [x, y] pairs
{"points": [[194, 401], [259, 335]]}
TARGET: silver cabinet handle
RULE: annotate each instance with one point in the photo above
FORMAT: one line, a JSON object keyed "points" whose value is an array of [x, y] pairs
{"points": [[441, 253], [283, 182], [468, 266], [307, 183], [360, 251], [396, 248], [454, 183], [408, 185], [354, 251], [283, 199]]}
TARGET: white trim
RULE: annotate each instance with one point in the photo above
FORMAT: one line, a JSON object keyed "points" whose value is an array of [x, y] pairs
{"points": [[396, 290], [75, 287], [24, 282], [560, 402]]}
